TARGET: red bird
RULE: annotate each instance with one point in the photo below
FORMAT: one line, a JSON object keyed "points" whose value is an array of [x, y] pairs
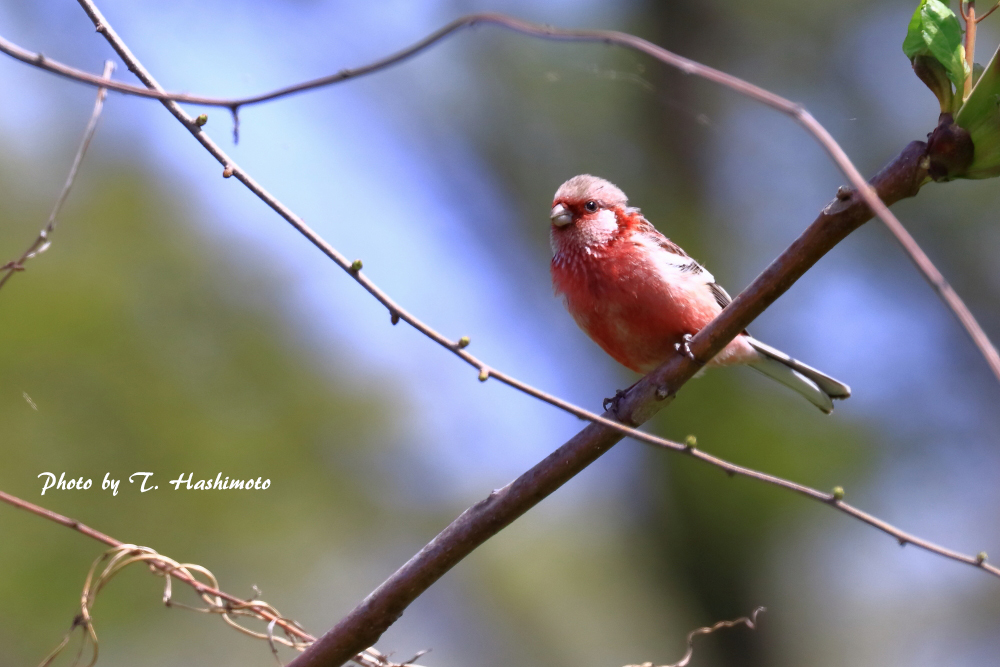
{"points": [[640, 297]]}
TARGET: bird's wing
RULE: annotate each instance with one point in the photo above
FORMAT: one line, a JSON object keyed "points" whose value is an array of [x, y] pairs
{"points": [[682, 262], [674, 256]]}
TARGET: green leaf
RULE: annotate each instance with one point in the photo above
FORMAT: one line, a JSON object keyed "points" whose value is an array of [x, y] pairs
{"points": [[980, 116], [934, 30]]}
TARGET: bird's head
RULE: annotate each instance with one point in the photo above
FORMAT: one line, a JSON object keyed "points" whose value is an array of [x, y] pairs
{"points": [[582, 198], [585, 211]]}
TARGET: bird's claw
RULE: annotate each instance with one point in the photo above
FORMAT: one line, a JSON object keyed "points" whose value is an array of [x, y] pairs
{"points": [[612, 403], [684, 347]]}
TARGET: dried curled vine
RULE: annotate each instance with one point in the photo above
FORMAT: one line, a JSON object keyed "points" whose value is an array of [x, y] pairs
{"points": [[216, 601], [749, 621], [115, 560]]}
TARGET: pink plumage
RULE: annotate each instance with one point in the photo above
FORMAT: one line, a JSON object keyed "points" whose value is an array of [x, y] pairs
{"points": [[637, 294]]}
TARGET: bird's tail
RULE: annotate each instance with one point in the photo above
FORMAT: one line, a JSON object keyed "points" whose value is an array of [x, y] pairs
{"points": [[817, 388]]}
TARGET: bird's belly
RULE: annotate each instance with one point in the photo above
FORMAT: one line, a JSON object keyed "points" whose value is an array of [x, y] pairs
{"points": [[633, 314]]}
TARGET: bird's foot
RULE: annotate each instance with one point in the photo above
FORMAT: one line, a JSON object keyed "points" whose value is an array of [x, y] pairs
{"points": [[684, 347], [612, 403]]}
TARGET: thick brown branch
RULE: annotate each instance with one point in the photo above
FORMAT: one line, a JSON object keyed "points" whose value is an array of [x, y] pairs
{"points": [[363, 626]]}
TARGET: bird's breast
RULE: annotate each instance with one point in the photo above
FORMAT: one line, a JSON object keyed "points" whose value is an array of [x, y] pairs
{"points": [[633, 306]]}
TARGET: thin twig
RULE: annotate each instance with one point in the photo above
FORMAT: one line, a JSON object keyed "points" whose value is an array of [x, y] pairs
{"points": [[796, 111], [41, 243], [981, 18], [946, 292], [58, 518], [835, 500]]}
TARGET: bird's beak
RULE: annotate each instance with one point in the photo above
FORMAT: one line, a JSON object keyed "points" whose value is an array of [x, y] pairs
{"points": [[561, 216]]}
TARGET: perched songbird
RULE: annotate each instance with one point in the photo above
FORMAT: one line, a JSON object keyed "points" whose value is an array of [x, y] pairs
{"points": [[640, 297]]}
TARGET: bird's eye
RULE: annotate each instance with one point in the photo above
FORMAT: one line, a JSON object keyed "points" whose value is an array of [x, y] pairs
{"points": [[591, 206]]}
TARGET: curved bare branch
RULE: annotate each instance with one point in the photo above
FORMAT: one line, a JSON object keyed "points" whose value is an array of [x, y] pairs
{"points": [[796, 111]]}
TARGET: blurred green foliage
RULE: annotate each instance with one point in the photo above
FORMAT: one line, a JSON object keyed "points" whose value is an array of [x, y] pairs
{"points": [[146, 348]]}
